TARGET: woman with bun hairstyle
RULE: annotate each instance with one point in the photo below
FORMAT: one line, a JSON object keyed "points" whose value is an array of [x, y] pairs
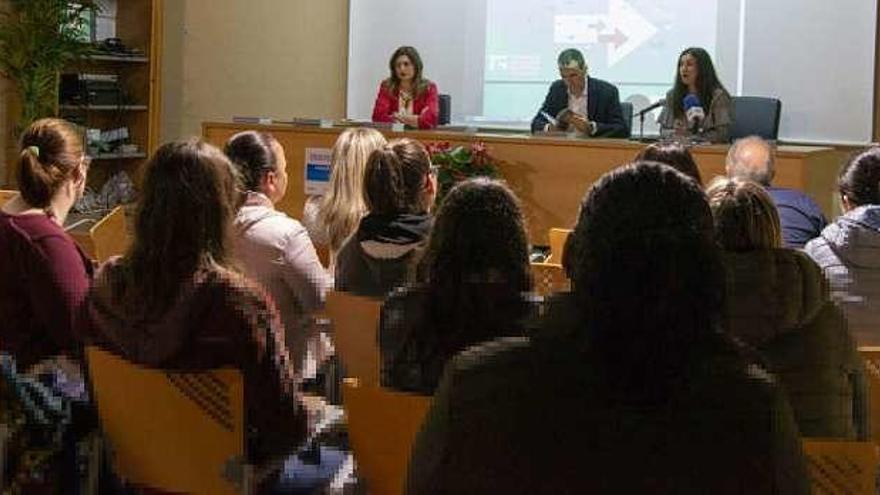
{"points": [[44, 274], [399, 188]]}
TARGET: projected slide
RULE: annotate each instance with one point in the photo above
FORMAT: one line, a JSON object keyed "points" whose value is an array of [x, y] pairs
{"points": [[631, 43]]}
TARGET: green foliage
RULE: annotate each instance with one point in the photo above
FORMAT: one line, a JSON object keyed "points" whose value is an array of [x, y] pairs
{"points": [[460, 163], [38, 38]]}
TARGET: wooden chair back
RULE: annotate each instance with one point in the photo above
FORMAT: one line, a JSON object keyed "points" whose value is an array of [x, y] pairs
{"points": [[102, 238], [382, 426], [109, 235], [170, 431], [355, 321], [548, 278], [871, 358], [838, 466], [557, 238], [6, 195]]}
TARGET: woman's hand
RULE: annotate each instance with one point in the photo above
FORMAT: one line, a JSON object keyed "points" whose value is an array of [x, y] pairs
{"points": [[410, 120]]}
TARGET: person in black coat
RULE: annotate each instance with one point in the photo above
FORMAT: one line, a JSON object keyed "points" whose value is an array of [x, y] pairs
{"points": [[593, 103]]}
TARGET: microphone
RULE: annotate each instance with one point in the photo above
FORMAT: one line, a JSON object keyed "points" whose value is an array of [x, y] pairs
{"points": [[659, 103], [693, 111]]}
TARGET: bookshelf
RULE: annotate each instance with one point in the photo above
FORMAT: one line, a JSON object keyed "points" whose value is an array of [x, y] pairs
{"points": [[138, 24]]}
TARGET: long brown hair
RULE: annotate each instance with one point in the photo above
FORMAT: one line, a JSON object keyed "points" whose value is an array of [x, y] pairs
{"points": [[478, 240], [395, 177], [51, 150], [420, 84], [182, 223], [745, 215]]}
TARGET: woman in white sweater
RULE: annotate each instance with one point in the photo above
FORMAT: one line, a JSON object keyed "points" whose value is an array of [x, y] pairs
{"points": [[274, 249]]}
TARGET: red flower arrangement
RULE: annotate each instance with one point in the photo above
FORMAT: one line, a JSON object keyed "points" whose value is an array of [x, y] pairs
{"points": [[459, 163]]}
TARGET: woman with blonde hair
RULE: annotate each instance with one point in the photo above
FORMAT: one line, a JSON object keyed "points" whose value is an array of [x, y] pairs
{"points": [[777, 301], [331, 218]]}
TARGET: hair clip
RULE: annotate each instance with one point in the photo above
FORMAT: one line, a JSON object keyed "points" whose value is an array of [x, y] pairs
{"points": [[35, 150]]}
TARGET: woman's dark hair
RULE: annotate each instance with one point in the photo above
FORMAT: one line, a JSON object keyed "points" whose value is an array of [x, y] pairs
{"points": [[707, 80], [674, 154], [647, 276], [252, 154], [475, 269], [182, 223], [859, 179], [420, 84], [478, 234], [395, 176], [51, 151]]}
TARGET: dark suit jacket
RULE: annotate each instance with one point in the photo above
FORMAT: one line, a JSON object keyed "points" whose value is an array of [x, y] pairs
{"points": [[603, 107]]}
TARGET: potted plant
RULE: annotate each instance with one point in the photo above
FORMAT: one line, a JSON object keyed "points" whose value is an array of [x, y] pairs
{"points": [[459, 163], [38, 38]]}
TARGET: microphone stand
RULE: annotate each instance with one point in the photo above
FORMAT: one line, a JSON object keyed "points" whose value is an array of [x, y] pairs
{"points": [[641, 127]]}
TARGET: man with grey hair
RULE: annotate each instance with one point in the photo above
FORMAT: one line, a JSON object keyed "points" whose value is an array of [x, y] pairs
{"points": [[579, 103], [754, 159]]}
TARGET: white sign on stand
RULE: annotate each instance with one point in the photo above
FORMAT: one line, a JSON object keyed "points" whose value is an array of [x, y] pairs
{"points": [[317, 171]]}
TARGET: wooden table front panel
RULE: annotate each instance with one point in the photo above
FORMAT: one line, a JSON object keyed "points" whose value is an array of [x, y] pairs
{"points": [[549, 174]]}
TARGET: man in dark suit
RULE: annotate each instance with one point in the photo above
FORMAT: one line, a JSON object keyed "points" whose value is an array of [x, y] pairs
{"points": [[593, 103], [801, 219]]}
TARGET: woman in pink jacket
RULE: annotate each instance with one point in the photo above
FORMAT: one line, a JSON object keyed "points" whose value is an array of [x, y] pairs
{"points": [[406, 96]]}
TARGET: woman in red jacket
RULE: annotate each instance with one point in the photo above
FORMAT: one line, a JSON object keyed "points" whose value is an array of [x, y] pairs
{"points": [[406, 96]]}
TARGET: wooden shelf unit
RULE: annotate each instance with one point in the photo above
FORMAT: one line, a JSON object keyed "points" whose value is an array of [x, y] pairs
{"points": [[138, 25]]}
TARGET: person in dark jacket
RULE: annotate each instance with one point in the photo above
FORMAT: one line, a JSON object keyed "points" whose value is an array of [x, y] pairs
{"points": [[848, 251], [399, 187], [593, 105], [752, 158], [473, 283], [629, 386], [777, 301], [174, 302]]}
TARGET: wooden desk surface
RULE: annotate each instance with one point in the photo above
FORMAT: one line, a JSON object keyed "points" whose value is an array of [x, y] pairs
{"points": [[550, 174]]}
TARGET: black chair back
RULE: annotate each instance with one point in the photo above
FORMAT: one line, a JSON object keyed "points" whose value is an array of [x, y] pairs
{"points": [[445, 109], [755, 116]]}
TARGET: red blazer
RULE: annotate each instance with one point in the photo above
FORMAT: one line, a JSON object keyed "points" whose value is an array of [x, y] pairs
{"points": [[426, 106]]}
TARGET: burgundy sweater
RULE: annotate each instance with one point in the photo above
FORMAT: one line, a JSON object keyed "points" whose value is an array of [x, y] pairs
{"points": [[44, 277], [218, 319]]}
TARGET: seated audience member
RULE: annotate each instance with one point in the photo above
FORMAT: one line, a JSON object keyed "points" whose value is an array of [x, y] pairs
{"points": [[629, 386], [406, 96], [777, 301], [45, 274], [274, 249], [674, 154], [848, 250], [753, 159], [333, 217], [472, 286], [399, 189], [576, 102], [174, 302]]}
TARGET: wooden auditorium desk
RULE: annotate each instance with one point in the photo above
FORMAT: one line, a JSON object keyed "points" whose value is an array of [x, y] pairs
{"points": [[550, 174]]}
